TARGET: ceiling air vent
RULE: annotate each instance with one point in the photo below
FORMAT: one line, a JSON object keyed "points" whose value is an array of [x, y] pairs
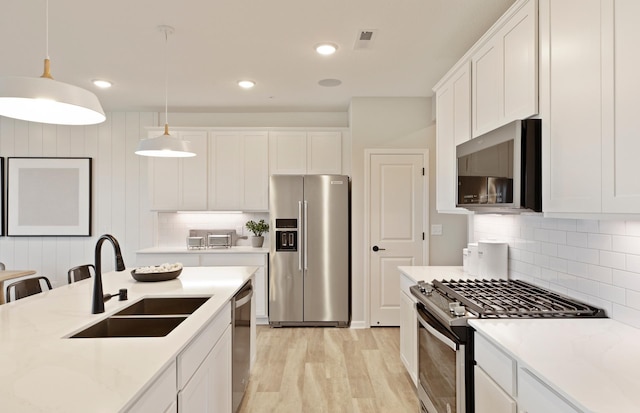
{"points": [[364, 39]]}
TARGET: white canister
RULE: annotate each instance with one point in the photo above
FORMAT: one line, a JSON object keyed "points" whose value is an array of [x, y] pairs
{"points": [[465, 259], [473, 258], [493, 261]]}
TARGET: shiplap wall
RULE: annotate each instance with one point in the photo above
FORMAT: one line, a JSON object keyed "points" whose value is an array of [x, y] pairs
{"points": [[119, 191]]}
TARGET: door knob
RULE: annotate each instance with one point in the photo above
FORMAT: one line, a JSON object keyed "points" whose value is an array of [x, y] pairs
{"points": [[376, 249]]}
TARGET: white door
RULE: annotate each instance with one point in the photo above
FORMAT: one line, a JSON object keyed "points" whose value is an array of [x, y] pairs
{"points": [[396, 225]]}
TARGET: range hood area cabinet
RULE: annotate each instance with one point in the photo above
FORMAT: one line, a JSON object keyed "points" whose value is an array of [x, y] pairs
{"points": [[493, 84], [588, 104]]}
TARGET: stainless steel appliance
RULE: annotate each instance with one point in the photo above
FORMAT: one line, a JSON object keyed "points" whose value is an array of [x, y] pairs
{"points": [[445, 341], [310, 270], [502, 169], [241, 342], [212, 238]]}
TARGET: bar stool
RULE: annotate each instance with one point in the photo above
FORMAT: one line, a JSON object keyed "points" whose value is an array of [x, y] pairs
{"points": [[27, 287], [81, 272]]}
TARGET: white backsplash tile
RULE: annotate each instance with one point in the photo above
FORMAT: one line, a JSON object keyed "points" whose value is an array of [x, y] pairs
{"points": [[595, 261]]}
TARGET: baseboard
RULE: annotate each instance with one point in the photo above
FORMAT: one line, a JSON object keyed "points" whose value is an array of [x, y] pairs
{"points": [[358, 324]]}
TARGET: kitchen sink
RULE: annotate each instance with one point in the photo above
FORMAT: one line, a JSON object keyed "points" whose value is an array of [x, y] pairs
{"points": [[149, 317], [164, 306], [131, 327]]}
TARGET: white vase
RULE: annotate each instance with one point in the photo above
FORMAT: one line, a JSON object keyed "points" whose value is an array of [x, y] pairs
{"points": [[256, 242]]}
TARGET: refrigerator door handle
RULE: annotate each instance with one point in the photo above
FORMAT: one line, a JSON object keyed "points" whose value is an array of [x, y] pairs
{"points": [[300, 226], [306, 209]]}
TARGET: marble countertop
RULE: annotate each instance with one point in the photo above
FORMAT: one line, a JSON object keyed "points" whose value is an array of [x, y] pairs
{"points": [[184, 250], [41, 370], [593, 363]]}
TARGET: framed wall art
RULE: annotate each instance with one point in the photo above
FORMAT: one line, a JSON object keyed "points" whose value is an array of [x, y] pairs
{"points": [[49, 197]]}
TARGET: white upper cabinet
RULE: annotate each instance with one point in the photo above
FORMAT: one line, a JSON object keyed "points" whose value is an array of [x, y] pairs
{"points": [[293, 152], [588, 106], [621, 131], [504, 71], [239, 171], [180, 183], [453, 115]]}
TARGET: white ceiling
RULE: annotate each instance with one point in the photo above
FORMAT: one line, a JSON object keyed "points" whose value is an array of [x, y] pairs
{"points": [[218, 42]]}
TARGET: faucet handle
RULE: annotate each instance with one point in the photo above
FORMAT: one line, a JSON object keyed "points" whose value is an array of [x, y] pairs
{"points": [[122, 295]]}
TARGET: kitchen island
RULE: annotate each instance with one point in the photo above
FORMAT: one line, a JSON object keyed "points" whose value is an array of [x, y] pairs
{"points": [[42, 370]]}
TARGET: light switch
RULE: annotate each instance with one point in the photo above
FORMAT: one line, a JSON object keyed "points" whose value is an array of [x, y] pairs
{"points": [[436, 229]]}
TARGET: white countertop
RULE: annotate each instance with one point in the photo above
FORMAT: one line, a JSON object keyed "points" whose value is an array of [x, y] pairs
{"points": [[184, 250], [593, 363], [43, 371], [429, 273]]}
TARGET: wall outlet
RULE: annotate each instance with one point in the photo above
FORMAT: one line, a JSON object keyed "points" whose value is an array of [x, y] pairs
{"points": [[436, 229]]}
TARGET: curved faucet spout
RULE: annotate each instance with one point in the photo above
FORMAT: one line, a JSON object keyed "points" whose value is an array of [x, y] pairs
{"points": [[98, 295]]}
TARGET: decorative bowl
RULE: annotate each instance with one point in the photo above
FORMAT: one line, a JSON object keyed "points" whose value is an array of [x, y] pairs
{"points": [[156, 276]]}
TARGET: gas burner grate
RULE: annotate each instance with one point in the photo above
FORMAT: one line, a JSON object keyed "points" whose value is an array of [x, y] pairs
{"points": [[513, 298]]}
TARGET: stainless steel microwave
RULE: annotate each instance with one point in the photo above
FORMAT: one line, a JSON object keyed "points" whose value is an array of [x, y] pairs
{"points": [[501, 171]]}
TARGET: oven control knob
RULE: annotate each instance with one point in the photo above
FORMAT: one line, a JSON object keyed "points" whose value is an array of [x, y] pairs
{"points": [[459, 310]]}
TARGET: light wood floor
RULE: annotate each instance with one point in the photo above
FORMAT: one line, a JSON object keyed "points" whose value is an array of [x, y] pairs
{"points": [[329, 370]]}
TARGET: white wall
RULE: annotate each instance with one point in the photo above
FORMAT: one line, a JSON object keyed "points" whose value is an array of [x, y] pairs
{"points": [[595, 261], [395, 123], [118, 185]]}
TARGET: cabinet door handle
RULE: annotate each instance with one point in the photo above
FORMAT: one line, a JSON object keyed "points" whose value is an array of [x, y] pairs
{"points": [[376, 249]]}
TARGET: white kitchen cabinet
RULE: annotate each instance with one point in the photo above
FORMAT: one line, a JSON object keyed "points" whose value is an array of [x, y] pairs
{"points": [[409, 335], [621, 131], [505, 71], [588, 106], [489, 397], [453, 126], [209, 389], [305, 152], [503, 385], [180, 183], [160, 396], [534, 396], [239, 171]]}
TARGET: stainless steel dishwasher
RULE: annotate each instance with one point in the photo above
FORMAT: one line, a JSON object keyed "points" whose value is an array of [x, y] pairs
{"points": [[241, 342]]}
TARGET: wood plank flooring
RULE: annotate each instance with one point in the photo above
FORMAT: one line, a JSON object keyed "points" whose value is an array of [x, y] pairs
{"points": [[329, 370]]}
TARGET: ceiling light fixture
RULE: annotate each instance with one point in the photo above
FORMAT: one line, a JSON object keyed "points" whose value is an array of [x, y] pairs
{"points": [[42, 99], [246, 84], [165, 146], [326, 49], [102, 84]]}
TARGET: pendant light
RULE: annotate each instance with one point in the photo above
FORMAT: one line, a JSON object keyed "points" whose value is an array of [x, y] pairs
{"points": [[45, 100], [165, 146]]}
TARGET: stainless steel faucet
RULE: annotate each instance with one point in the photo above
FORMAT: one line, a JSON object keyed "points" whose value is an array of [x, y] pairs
{"points": [[98, 296]]}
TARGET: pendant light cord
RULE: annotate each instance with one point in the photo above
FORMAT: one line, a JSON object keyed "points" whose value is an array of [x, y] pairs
{"points": [[166, 81], [47, 62]]}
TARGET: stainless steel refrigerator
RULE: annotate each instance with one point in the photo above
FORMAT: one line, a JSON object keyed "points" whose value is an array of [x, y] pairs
{"points": [[310, 269]]}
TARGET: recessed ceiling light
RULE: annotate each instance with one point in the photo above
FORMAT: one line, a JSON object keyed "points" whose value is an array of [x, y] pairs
{"points": [[246, 84], [102, 84], [326, 49]]}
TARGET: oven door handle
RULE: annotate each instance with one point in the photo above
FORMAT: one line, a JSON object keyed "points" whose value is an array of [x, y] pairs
{"points": [[446, 340]]}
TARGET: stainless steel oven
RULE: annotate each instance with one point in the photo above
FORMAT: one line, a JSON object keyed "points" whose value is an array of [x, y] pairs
{"points": [[442, 367]]}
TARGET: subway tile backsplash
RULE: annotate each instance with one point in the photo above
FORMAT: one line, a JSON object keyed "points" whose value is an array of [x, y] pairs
{"points": [[594, 261]]}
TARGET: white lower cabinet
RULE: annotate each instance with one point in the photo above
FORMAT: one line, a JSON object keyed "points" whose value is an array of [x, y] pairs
{"points": [[209, 389], [408, 329], [204, 369], [161, 395], [503, 385], [489, 396], [536, 397]]}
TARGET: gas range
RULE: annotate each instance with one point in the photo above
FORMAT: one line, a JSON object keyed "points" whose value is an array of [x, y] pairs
{"points": [[453, 302]]}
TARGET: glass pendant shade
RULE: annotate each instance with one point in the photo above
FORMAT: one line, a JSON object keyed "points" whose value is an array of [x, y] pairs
{"points": [[44, 100], [164, 146]]}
